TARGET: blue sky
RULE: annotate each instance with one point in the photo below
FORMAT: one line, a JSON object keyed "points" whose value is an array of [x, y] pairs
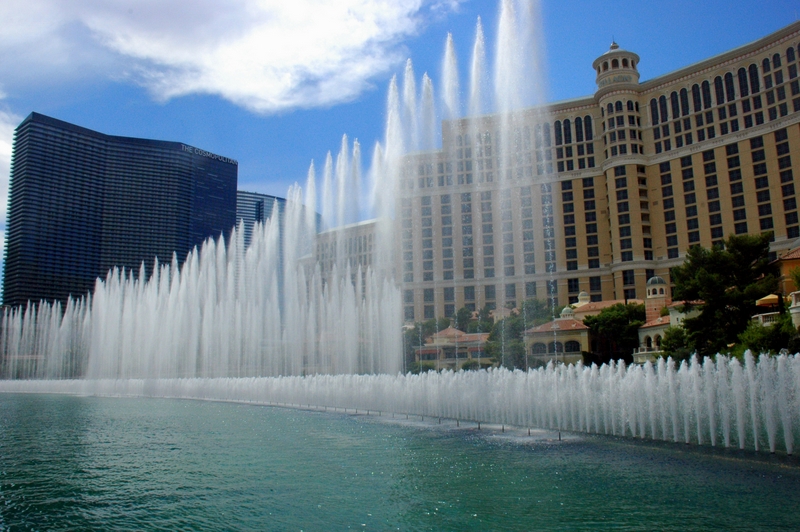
{"points": [[276, 84]]}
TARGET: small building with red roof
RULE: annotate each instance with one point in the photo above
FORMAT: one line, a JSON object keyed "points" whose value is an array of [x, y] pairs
{"points": [[561, 340], [451, 348]]}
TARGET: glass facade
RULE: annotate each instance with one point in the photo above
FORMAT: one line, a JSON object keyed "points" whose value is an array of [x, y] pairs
{"points": [[81, 203]]}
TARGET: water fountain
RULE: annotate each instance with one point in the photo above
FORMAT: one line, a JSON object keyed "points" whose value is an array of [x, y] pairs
{"points": [[236, 324]]}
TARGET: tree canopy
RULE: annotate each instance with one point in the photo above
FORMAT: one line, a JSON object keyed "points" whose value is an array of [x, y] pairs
{"points": [[615, 331], [725, 281]]}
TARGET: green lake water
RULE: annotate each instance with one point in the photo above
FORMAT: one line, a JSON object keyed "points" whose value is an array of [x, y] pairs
{"points": [[85, 463]]}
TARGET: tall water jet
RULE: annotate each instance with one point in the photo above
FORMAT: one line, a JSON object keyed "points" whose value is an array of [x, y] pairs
{"points": [[450, 83], [428, 122], [410, 111], [328, 209], [478, 81], [508, 61], [344, 188]]}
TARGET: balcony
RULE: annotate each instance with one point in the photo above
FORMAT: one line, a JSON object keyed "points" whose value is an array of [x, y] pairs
{"points": [[645, 354], [766, 319]]}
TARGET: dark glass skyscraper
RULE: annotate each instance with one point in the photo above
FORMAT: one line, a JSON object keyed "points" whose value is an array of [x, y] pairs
{"points": [[252, 207], [81, 203]]}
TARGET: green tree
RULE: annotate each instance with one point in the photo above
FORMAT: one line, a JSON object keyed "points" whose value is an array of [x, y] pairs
{"points": [[484, 322], [771, 338], [794, 273], [726, 280], [535, 312], [416, 336], [675, 343], [506, 341], [615, 331], [471, 365], [462, 319]]}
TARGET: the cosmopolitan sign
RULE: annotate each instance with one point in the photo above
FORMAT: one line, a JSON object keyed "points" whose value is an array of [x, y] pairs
{"points": [[204, 153], [615, 79]]}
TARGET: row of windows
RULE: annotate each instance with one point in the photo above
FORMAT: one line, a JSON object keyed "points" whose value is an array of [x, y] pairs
{"points": [[615, 63], [590, 219]]}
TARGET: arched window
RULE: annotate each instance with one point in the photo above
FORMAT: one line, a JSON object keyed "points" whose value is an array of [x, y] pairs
{"points": [[610, 108], [661, 291], [587, 127], [673, 100], [572, 347], [730, 91], [790, 54], [743, 88], [662, 105], [658, 342], [765, 64], [630, 105], [618, 106], [539, 348], [615, 63], [567, 132], [546, 135], [654, 111], [719, 90], [755, 86], [624, 63], [557, 127], [633, 64], [684, 102], [605, 66], [697, 103], [776, 60], [459, 140], [706, 95], [648, 342], [578, 129], [537, 134], [555, 347]]}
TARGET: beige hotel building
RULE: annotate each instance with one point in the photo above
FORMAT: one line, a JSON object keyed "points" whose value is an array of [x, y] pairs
{"points": [[600, 193]]}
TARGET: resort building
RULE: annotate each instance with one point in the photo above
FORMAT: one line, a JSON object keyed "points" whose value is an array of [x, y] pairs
{"points": [[564, 339], [601, 193], [81, 203], [453, 349], [348, 247]]}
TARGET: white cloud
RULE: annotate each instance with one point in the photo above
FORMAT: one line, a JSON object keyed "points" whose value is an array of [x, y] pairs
{"points": [[265, 55], [8, 122]]}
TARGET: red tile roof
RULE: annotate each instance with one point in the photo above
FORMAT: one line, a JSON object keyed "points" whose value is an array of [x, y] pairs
{"points": [[561, 324], [658, 322], [590, 309], [791, 254]]}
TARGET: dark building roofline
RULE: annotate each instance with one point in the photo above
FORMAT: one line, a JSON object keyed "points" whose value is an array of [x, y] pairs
{"points": [[55, 122]]}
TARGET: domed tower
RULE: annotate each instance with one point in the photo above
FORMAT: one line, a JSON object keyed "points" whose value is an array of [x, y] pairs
{"points": [[657, 298], [624, 163], [616, 67], [618, 96]]}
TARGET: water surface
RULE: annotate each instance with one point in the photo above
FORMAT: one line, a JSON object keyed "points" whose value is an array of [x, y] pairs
{"points": [[82, 463]]}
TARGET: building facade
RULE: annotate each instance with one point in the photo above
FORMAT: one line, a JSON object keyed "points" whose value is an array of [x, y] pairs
{"points": [[253, 207], [349, 247], [599, 194], [81, 203]]}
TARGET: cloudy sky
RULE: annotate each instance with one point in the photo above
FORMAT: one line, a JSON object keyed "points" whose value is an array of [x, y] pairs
{"points": [[275, 83]]}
